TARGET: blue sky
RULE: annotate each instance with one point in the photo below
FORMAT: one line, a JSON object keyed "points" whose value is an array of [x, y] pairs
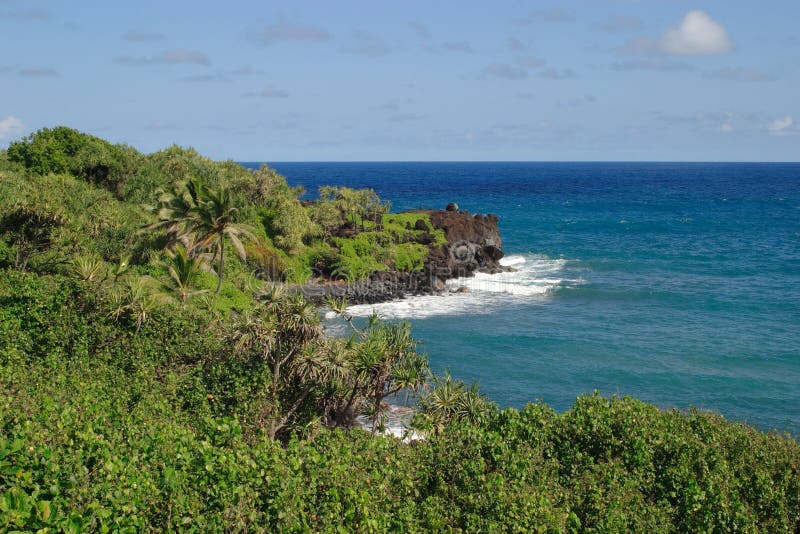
{"points": [[365, 80]]}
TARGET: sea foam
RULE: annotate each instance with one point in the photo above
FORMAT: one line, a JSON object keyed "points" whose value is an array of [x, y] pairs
{"points": [[534, 277], [509, 261]]}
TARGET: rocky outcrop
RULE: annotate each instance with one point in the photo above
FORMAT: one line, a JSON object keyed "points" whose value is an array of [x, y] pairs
{"points": [[473, 245], [380, 287]]}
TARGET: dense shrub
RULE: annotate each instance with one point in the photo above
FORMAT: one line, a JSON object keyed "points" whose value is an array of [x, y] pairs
{"points": [[64, 150], [125, 408]]}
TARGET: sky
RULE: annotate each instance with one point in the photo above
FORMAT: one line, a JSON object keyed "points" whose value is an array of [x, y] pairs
{"points": [[581, 80]]}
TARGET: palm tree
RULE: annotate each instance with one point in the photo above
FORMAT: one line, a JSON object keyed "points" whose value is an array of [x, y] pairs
{"points": [[173, 212], [203, 218], [184, 270], [213, 219]]}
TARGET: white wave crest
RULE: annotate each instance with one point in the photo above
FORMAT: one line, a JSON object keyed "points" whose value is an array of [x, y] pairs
{"points": [[510, 283], [509, 261], [535, 278]]}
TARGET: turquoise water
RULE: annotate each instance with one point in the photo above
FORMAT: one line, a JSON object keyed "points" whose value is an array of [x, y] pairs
{"points": [[675, 283]]}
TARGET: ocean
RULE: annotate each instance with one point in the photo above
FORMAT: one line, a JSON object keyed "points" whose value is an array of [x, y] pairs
{"points": [[676, 283]]}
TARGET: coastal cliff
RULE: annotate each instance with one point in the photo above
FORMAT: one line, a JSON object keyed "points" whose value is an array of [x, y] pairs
{"points": [[473, 244]]}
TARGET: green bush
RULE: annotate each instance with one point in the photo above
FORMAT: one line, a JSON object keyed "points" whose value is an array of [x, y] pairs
{"points": [[402, 226], [104, 428], [356, 260], [409, 256], [92, 220], [124, 409], [64, 150]]}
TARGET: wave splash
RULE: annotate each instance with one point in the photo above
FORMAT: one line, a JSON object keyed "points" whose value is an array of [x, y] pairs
{"points": [[535, 277]]}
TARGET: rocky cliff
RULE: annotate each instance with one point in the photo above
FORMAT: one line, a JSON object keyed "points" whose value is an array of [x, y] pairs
{"points": [[473, 245]]}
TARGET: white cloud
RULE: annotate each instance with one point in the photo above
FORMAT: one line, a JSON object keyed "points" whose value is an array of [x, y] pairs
{"points": [[211, 77], [530, 62], [722, 122], [185, 56], [175, 56], [10, 126], [420, 29], [579, 101], [742, 74], [406, 117], [658, 64], [32, 71], [782, 126], [35, 13], [269, 92], [366, 44], [38, 72], [555, 14], [505, 71], [516, 45], [291, 32], [697, 35], [555, 74], [458, 46]]}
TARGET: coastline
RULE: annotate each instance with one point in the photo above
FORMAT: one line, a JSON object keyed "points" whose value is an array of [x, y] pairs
{"points": [[473, 245], [122, 407]]}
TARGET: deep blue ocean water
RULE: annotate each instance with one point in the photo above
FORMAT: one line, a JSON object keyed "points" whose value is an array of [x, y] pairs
{"points": [[677, 283]]}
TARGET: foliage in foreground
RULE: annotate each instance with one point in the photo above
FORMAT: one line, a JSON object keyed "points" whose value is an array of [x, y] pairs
{"points": [[89, 449], [134, 398], [103, 427]]}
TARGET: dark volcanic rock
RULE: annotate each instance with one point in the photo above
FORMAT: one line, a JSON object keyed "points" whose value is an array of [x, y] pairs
{"points": [[380, 287], [426, 238], [461, 226], [473, 245]]}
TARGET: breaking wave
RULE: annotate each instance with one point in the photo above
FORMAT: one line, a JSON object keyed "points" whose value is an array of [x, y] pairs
{"points": [[535, 277]]}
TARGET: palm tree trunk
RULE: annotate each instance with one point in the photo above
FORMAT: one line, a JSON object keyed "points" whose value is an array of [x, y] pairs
{"points": [[221, 262]]}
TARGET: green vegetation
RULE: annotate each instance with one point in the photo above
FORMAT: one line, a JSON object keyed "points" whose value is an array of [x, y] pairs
{"points": [[66, 192], [63, 150], [204, 218], [152, 380]]}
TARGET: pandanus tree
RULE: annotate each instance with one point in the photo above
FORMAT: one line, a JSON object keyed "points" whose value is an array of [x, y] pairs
{"points": [[309, 376], [136, 299], [387, 363], [383, 362], [284, 335], [451, 400]]}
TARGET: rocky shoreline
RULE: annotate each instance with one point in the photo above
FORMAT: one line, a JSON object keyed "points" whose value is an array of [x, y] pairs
{"points": [[473, 245]]}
